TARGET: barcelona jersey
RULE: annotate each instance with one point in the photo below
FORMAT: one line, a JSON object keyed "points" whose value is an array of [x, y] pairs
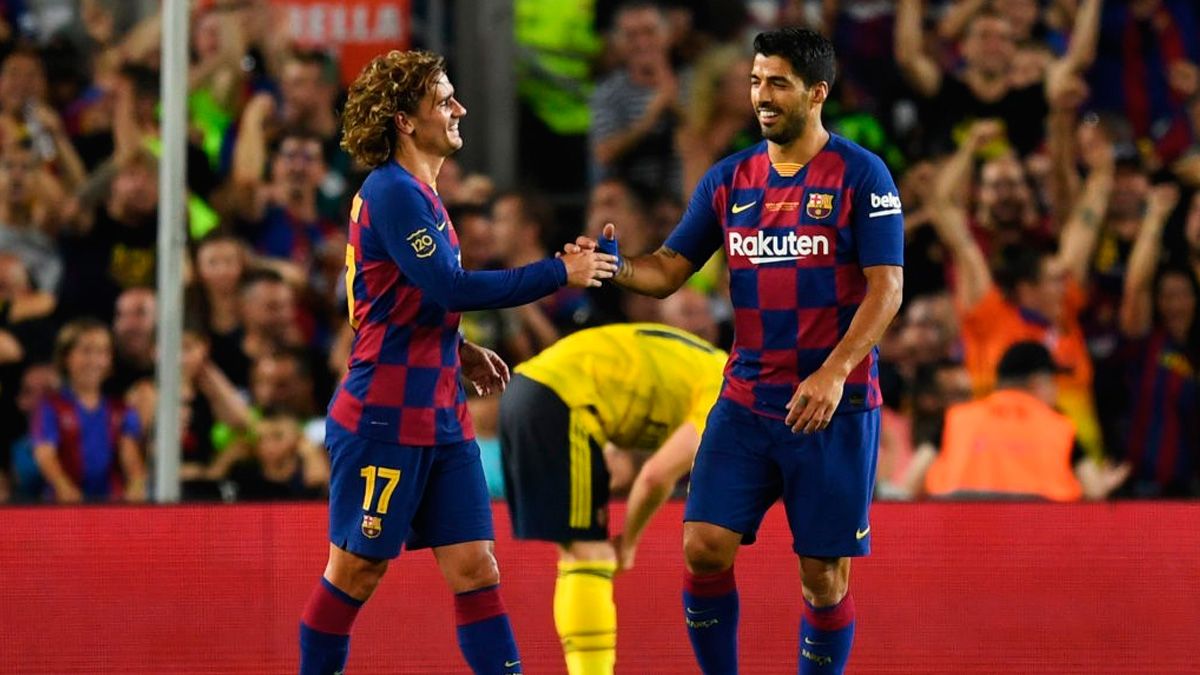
{"points": [[406, 289], [796, 239]]}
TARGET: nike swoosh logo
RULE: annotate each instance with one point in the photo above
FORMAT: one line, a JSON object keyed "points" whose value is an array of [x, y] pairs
{"points": [[738, 208], [442, 225], [510, 664], [810, 642], [695, 612], [859, 534]]}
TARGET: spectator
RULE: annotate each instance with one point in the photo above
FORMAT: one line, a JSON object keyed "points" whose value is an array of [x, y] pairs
{"points": [[1013, 442], [210, 400], [29, 213], [523, 221], [636, 110], [688, 309], [26, 484], [212, 299], [1035, 295], [1162, 358], [133, 339], [280, 214], [115, 246], [267, 306], [984, 87], [718, 120], [86, 445], [283, 466]]}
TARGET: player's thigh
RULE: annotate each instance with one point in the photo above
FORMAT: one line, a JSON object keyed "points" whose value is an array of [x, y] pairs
{"points": [[375, 489], [734, 480], [829, 477], [557, 481], [455, 506]]}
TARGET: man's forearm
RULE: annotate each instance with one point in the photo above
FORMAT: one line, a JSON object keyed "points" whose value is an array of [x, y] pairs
{"points": [[877, 310], [658, 275]]}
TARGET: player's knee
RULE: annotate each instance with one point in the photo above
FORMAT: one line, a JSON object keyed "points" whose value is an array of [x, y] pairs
{"points": [[825, 583], [705, 554], [473, 572], [356, 576]]}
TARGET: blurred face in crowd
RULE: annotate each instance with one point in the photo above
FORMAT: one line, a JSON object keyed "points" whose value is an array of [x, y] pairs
{"points": [[1003, 194], [302, 89], [1045, 294], [135, 191], [1022, 16], [1128, 201], [953, 384], [1176, 300], [90, 360], [36, 384], [1029, 66], [731, 91], [219, 264], [299, 166], [278, 440], [988, 45], [925, 337], [14, 277], [689, 310], [476, 240], [207, 40], [1191, 228], [22, 80], [781, 100], [276, 381], [194, 354], [18, 171], [612, 202], [269, 308], [509, 228], [644, 37], [133, 322]]}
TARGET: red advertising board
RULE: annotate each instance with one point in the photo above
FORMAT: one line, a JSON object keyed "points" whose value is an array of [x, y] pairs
{"points": [[950, 588], [354, 30]]}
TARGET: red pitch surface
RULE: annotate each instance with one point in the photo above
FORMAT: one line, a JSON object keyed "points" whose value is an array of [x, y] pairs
{"points": [[951, 588]]}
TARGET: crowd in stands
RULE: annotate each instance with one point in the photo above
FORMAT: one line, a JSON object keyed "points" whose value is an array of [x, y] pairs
{"points": [[1047, 153]]}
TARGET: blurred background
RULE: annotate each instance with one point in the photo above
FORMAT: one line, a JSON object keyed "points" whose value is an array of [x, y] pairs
{"points": [[1047, 154]]}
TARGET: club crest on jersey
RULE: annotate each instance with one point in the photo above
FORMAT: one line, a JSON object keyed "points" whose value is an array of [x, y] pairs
{"points": [[372, 526], [820, 205], [422, 243]]}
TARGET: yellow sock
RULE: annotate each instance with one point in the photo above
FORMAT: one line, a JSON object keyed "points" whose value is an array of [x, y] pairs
{"points": [[586, 616]]}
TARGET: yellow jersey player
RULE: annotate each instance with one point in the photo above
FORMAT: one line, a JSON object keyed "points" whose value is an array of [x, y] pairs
{"points": [[638, 386]]}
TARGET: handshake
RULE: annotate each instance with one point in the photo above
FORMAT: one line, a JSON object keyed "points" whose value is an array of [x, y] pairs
{"points": [[589, 261]]}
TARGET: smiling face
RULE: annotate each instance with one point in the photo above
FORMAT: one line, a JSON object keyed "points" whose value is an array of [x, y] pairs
{"points": [[433, 128], [781, 100]]}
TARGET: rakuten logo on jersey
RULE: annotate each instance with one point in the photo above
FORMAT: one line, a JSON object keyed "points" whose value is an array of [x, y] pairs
{"points": [[885, 205], [762, 248]]}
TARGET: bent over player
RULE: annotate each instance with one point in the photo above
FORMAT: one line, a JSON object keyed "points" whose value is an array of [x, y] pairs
{"points": [[812, 229], [405, 466], [643, 386]]}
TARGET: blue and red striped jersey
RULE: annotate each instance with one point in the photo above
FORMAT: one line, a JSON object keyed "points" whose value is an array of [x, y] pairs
{"points": [[797, 239], [405, 289], [1164, 435]]}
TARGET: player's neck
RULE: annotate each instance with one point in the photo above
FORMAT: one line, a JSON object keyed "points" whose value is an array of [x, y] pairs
{"points": [[422, 166], [801, 150]]}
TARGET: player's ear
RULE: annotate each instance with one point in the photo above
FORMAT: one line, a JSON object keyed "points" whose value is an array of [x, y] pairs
{"points": [[819, 92], [404, 125]]}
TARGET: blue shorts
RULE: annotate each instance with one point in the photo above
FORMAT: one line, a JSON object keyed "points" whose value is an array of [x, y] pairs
{"points": [[746, 461], [383, 496]]}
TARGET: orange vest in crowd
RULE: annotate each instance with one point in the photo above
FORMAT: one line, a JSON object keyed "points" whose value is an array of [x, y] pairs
{"points": [[1007, 443]]}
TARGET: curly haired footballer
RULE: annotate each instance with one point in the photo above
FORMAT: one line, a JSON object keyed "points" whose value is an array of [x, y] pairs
{"points": [[391, 83]]}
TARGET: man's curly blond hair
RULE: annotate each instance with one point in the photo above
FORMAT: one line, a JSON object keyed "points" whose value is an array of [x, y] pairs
{"points": [[391, 83]]}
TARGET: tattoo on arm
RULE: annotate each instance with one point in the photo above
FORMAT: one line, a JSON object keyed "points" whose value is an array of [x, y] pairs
{"points": [[1088, 215]]}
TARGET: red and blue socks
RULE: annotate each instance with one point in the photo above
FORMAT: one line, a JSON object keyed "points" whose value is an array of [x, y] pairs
{"points": [[484, 633], [710, 607], [826, 634], [325, 630]]}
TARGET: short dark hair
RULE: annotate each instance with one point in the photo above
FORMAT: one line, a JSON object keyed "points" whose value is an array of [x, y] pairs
{"points": [[809, 52], [256, 275], [1020, 263]]}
